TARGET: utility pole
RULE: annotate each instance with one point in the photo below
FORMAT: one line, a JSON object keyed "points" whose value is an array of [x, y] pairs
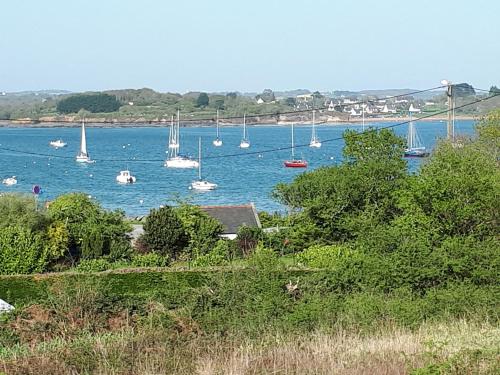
{"points": [[449, 94]]}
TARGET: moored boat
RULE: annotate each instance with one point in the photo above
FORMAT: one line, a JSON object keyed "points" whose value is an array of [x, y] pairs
{"points": [[295, 163]]}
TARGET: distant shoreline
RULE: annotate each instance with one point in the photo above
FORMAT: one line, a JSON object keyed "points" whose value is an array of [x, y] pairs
{"points": [[156, 124]]}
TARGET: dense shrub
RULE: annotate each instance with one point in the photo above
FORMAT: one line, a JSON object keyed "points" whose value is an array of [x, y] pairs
{"points": [[219, 255], [93, 265], [323, 256], [22, 210], [149, 260], [23, 251], [248, 238], [92, 230], [164, 232], [203, 231]]}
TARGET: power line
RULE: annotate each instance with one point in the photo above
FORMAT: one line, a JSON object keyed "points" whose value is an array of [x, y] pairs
{"points": [[368, 130], [252, 152]]}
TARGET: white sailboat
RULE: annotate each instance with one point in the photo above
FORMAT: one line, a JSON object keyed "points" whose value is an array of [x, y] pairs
{"points": [[217, 142], [83, 156], [200, 184], [314, 138], [414, 149], [175, 160], [245, 143]]}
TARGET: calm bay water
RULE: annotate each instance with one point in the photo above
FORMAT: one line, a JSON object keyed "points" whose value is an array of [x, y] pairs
{"points": [[241, 179]]}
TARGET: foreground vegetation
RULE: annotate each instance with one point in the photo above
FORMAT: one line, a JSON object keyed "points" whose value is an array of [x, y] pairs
{"points": [[257, 320], [390, 272]]}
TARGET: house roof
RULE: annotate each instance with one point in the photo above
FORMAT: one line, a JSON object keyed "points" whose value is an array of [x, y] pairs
{"points": [[234, 217]]}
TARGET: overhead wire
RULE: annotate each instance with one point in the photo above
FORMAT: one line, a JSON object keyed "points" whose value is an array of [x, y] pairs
{"points": [[38, 154]]}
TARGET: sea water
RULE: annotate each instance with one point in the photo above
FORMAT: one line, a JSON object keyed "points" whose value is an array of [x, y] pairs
{"points": [[242, 175]]}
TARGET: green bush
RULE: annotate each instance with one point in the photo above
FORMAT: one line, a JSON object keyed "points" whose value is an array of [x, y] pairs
{"points": [[203, 231], [248, 238], [22, 210], [164, 232], [149, 260], [92, 230], [93, 265], [323, 256], [23, 251], [218, 256]]}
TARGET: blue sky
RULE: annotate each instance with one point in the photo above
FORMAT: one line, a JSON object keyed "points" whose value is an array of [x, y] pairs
{"points": [[225, 45]]}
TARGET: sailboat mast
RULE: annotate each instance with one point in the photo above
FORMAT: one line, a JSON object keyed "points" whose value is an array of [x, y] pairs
{"points": [[244, 126], [411, 133], [199, 158], [293, 145], [217, 123], [177, 134], [314, 126]]}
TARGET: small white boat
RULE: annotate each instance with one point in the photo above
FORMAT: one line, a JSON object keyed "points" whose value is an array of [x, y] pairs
{"points": [[245, 143], [217, 142], [83, 156], [203, 185], [180, 162], [125, 178], [175, 160], [200, 184], [58, 143], [315, 143], [9, 181]]}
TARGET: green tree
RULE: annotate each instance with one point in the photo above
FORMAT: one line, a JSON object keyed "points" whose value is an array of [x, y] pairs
{"points": [[203, 231], [92, 230], [164, 232], [494, 91], [341, 201], [94, 103], [22, 210], [202, 100], [290, 101]]}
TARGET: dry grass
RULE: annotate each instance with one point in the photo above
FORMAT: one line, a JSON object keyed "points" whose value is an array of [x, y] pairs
{"points": [[390, 351]]}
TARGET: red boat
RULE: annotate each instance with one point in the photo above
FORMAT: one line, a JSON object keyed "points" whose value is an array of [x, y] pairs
{"points": [[296, 164]]}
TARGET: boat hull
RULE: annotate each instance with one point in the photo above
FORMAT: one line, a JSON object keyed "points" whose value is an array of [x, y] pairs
{"points": [[57, 144], [295, 164], [203, 185], [418, 153], [9, 181], [180, 162], [84, 159]]}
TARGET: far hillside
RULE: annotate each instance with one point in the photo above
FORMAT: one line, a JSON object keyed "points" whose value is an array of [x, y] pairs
{"points": [[147, 105]]}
